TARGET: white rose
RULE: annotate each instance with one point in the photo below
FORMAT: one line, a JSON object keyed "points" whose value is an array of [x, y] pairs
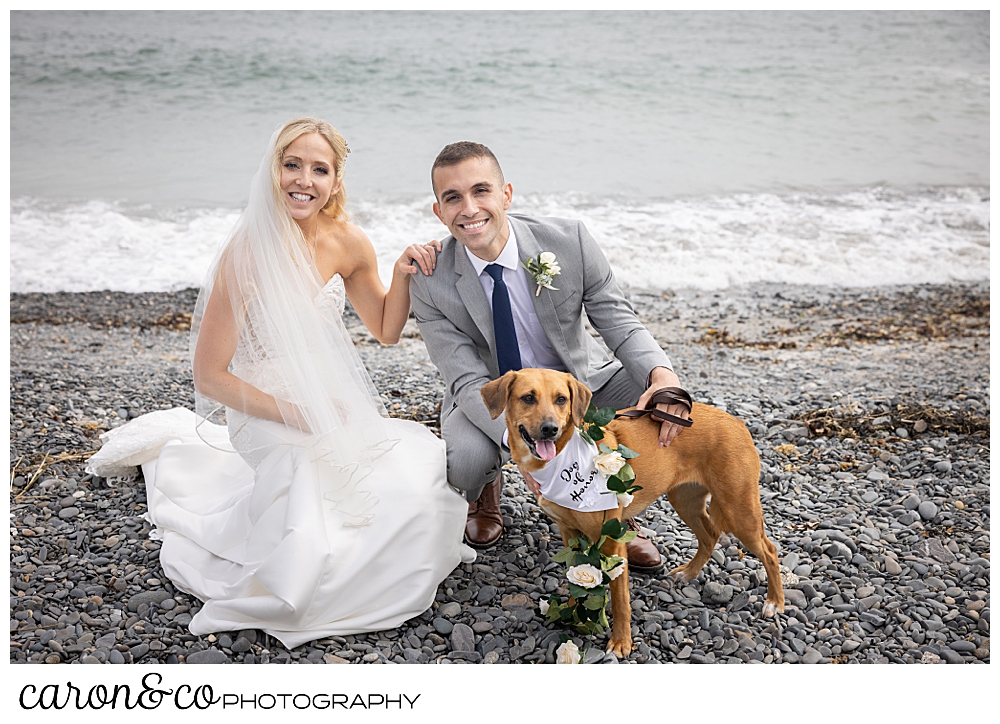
{"points": [[547, 257], [625, 499], [543, 606], [568, 653], [609, 463], [554, 269], [585, 576], [617, 570]]}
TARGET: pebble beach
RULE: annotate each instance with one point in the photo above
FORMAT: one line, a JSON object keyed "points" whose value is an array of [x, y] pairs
{"points": [[869, 407]]}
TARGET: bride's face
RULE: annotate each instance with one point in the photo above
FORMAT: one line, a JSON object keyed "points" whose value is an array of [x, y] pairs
{"points": [[308, 176]]}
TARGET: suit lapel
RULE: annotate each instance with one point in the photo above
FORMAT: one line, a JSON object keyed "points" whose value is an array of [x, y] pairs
{"points": [[471, 290], [545, 310]]}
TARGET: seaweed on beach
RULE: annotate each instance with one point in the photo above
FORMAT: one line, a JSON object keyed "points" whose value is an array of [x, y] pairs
{"points": [[723, 337], [101, 310], [847, 422], [942, 314], [178, 321]]}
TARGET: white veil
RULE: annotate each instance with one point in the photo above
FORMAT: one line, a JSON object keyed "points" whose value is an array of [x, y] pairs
{"points": [[293, 345]]}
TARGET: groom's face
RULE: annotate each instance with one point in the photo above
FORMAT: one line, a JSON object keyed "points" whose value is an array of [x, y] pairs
{"points": [[472, 201]]}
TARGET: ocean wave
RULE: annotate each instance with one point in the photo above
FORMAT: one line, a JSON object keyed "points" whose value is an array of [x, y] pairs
{"points": [[867, 237]]}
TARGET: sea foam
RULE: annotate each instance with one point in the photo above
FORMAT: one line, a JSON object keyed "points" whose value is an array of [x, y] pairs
{"points": [[868, 237]]}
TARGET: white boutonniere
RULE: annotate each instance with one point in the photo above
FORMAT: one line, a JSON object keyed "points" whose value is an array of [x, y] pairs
{"points": [[543, 269]]}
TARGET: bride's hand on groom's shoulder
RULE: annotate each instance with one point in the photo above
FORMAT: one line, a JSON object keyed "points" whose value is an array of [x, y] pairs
{"points": [[419, 256]]}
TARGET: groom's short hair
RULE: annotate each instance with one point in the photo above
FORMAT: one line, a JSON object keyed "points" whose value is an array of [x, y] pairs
{"points": [[454, 153]]}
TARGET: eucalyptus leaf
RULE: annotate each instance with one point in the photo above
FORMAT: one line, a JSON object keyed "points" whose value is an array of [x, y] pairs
{"points": [[578, 591], [595, 433], [563, 555], [604, 448], [627, 453], [626, 473], [595, 602]]}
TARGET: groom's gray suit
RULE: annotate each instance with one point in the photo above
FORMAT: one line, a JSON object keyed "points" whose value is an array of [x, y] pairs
{"points": [[456, 321]]}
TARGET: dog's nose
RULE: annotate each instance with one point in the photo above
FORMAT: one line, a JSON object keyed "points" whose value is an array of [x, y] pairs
{"points": [[549, 430]]}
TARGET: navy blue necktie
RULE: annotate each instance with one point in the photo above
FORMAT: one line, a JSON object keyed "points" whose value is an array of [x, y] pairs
{"points": [[508, 354]]}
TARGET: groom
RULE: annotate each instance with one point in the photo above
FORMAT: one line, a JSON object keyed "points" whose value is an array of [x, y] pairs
{"points": [[480, 316]]}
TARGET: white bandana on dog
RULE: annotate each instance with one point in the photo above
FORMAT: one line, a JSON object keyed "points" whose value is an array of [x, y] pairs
{"points": [[571, 479]]}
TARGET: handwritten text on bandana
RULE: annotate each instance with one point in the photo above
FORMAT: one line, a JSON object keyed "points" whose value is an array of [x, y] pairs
{"points": [[571, 480]]}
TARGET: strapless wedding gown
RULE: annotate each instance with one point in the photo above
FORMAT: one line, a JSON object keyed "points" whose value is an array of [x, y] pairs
{"points": [[263, 547]]}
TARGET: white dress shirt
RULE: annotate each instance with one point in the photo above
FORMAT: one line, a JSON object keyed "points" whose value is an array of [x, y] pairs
{"points": [[533, 344]]}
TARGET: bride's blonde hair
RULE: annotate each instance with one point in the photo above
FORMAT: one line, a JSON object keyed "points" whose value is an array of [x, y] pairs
{"points": [[336, 207]]}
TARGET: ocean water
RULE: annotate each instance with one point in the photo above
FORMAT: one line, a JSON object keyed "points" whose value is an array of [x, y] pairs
{"points": [[701, 149]]}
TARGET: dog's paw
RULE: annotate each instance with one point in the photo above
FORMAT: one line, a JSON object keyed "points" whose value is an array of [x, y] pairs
{"points": [[621, 647], [771, 609], [680, 574]]}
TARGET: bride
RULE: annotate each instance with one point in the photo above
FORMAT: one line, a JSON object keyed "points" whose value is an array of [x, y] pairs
{"points": [[310, 513]]}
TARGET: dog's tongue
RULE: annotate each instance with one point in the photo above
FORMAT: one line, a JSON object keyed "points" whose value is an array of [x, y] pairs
{"points": [[546, 449]]}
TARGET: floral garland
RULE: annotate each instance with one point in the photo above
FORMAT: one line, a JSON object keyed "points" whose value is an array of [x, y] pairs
{"points": [[588, 570], [612, 463]]}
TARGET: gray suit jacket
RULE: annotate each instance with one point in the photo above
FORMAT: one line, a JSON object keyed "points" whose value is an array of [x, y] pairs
{"points": [[456, 321]]}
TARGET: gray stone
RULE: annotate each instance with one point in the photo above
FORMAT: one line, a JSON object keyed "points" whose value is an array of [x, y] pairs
{"points": [[791, 560], [911, 502], [795, 597], [241, 645], [70, 512], [892, 567], [115, 657], [208, 656], [933, 548], [943, 467], [442, 626], [811, 656], [148, 598], [486, 594], [463, 638], [952, 657], [450, 609], [927, 510], [715, 592]]}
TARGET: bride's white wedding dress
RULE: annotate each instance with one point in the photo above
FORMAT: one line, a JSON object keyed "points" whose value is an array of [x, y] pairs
{"points": [[257, 536]]}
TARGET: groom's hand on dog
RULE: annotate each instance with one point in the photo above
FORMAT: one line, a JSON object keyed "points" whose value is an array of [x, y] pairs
{"points": [[659, 378], [422, 256]]}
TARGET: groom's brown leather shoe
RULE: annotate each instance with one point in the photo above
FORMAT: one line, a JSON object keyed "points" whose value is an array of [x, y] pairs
{"points": [[484, 525], [642, 554]]}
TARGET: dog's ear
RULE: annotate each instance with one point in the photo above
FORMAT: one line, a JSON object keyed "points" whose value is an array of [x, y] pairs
{"points": [[580, 395], [495, 393]]}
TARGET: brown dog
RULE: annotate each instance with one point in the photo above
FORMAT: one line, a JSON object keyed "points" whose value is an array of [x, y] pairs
{"points": [[714, 459]]}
